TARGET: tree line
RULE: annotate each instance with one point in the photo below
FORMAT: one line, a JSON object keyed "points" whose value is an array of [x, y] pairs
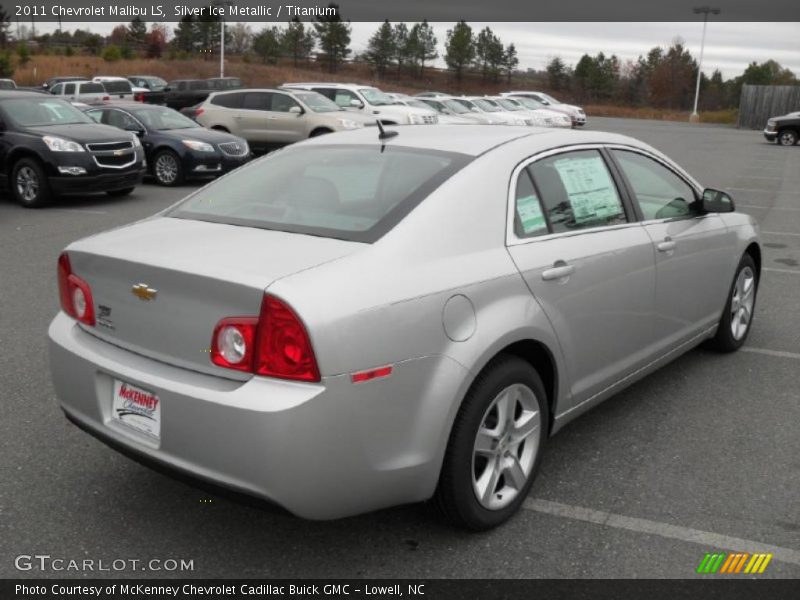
{"points": [[663, 78]]}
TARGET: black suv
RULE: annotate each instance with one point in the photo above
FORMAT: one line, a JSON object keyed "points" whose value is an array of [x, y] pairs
{"points": [[48, 147], [784, 130], [186, 92]]}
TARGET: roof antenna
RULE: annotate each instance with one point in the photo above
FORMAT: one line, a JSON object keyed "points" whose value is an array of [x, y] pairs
{"points": [[384, 135]]}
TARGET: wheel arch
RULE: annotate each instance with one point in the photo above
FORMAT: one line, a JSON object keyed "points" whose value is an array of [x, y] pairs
{"points": [[321, 130], [18, 153], [754, 250]]}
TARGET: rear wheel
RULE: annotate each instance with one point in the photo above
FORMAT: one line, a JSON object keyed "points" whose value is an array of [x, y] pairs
{"points": [[167, 168], [29, 183], [734, 325], [787, 137], [495, 446], [118, 193]]}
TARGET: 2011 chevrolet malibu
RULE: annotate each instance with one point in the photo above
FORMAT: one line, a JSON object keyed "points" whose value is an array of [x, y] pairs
{"points": [[375, 317]]}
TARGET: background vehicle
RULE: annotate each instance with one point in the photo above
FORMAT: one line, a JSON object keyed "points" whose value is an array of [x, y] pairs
{"points": [[268, 118], [447, 106], [7, 84], [225, 83], [185, 92], [54, 80], [575, 112], [540, 117], [555, 118], [151, 88], [369, 100], [492, 110], [118, 88], [48, 148], [176, 147], [784, 130], [397, 319], [446, 117], [88, 92]]}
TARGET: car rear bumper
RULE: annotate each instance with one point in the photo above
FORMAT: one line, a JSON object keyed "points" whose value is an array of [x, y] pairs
{"points": [[322, 451]]}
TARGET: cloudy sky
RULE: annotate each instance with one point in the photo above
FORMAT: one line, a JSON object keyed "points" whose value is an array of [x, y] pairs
{"points": [[730, 47]]}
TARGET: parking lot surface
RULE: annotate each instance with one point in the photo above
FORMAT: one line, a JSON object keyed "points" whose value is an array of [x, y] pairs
{"points": [[703, 455]]}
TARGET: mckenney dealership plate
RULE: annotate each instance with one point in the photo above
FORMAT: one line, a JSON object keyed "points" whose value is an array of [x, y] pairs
{"points": [[137, 408]]}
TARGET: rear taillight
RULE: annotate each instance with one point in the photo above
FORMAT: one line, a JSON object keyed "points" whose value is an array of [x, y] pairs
{"points": [[199, 112], [275, 343], [74, 293], [139, 97], [106, 98]]}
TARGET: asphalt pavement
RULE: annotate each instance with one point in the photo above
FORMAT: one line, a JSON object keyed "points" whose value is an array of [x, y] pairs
{"points": [[703, 455]]}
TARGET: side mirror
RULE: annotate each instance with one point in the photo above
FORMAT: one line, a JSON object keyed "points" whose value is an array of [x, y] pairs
{"points": [[716, 201], [296, 110], [356, 103]]}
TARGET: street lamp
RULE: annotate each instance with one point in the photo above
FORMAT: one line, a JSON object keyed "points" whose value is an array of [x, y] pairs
{"points": [[222, 3], [701, 10]]}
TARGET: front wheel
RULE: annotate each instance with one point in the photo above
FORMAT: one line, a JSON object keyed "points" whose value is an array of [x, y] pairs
{"points": [[787, 137], [167, 168], [495, 446], [29, 183], [734, 325]]}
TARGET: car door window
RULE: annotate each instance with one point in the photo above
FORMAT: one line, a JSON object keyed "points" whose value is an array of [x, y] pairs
{"points": [[577, 191], [56, 89], [344, 97], [69, 89], [257, 101], [228, 100], [282, 103], [96, 115], [660, 193], [117, 118], [181, 86], [529, 219]]}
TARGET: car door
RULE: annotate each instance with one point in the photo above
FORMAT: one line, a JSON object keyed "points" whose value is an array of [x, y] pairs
{"points": [[255, 126], [285, 126], [574, 238], [71, 91], [693, 251]]}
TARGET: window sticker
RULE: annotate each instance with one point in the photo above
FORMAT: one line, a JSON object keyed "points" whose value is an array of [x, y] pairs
{"points": [[530, 215], [590, 188]]}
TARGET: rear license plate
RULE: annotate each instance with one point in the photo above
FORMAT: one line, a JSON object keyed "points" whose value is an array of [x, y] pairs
{"points": [[137, 408]]}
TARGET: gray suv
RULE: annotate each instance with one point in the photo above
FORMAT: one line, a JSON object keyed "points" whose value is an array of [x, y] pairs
{"points": [[267, 118]]}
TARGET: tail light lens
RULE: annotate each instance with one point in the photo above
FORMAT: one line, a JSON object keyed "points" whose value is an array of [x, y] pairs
{"points": [[74, 293], [139, 97], [275, 343], [199, 112], [106, 98]]}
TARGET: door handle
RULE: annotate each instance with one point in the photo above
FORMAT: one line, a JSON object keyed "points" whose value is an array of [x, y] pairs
{"points": [[668, 245], [560, 270], [272, 118]]}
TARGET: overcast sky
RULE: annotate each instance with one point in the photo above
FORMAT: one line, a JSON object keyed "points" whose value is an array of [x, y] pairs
{"points": [[730, 47]]}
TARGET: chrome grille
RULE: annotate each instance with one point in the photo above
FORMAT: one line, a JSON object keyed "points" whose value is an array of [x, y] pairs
{"points": [[234, 148], [430, 119], [113, 155], [109, 146]]}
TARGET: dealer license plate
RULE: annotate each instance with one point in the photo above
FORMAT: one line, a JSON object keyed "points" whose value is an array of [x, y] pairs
{"points": [[137, 408]]}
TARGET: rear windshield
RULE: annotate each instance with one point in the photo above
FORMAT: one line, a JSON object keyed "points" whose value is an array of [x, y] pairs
{"points": [[355, 193], [93, 88], [117, 87]]}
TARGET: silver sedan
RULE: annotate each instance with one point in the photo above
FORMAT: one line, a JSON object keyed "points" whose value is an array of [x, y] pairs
{"points": [[364, 320]]}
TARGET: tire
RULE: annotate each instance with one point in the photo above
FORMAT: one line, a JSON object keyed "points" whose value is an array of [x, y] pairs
{"points": [[120, 193], [481, 488], [220, 128], [733, 330], [167, 168], [787, 137], [319, 132], [29, 184]]}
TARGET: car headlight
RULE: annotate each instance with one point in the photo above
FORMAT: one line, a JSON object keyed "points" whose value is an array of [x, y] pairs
{"points": [[197, 145], [350, 124], [137, 143], [57, 144]]}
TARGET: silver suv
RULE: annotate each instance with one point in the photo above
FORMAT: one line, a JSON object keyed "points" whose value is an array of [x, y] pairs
{"points": [[268, 118], [80, 91], [368, 100]]}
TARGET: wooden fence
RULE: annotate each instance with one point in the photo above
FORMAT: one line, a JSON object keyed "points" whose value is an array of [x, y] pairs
{"points": [[760, 102]]}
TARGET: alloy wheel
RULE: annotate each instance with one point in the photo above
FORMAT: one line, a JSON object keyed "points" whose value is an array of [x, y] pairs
{"points": [[788, 138], [505, 447], [742, 302], [166, 168], [27, 184]]}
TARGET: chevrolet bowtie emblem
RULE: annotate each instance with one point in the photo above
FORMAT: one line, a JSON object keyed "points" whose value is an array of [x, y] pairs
{"points": [[144, 292]]}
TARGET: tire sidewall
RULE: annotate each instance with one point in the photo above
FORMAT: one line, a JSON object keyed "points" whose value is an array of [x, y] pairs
{"points": [[179, 174], [499, 375], [724, 337], [43, 195], [792, 133]]}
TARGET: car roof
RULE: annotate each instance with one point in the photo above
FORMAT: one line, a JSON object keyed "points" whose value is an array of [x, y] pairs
{"points": [[4, 94], [473, 139]]}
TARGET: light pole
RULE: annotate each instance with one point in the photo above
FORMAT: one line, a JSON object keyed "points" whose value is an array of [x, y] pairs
{"points": [[701, 10], [222, 3]]}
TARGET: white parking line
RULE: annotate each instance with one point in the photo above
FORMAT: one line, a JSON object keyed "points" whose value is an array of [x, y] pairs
{"points": [[665, 530], [768, 352], [790, 271], [781, 233]]}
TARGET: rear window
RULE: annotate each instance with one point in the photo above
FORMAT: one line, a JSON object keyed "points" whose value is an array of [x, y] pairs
{"points": [[92, 88], [198, 85], [228, 100], [355, 193], [116, 87]]}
